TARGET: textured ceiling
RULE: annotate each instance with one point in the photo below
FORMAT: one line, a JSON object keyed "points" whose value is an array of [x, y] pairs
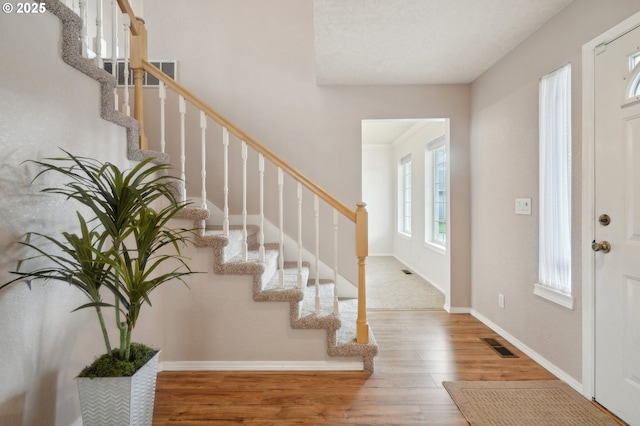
{"points": [[381, 42]]}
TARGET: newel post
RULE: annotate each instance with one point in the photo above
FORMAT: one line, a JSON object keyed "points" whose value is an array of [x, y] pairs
{"points": [[362, 251], [138, 53]]}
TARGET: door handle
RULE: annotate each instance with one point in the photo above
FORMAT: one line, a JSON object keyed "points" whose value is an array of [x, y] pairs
{"points": [[603, 246]]}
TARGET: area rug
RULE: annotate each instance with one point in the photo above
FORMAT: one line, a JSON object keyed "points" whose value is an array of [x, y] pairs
{"points": [[524, 403]]}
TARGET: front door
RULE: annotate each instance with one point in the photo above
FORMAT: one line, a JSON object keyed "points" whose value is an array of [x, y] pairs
{"points": [[617, 228]]}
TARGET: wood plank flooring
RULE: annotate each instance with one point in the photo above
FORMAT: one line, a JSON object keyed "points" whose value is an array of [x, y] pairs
{"points": [[418, 350]]}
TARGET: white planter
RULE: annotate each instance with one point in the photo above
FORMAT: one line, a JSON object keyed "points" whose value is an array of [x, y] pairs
{"points": [[119, 401]]}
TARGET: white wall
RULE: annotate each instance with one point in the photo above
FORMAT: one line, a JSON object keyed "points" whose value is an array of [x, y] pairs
{"points": [[430, 262], [44, 105], [377, 189], [504, 151]]}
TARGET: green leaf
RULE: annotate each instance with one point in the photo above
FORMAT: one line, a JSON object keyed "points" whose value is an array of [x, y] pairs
{"points": [[118, 247]]}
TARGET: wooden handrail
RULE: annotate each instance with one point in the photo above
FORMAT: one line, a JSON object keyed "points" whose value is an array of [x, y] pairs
{"points": [[126, 8], [240, 134]]}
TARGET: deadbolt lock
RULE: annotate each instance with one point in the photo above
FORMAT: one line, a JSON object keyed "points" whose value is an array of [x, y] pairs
{"points": [[603, 246], [604, 219]]}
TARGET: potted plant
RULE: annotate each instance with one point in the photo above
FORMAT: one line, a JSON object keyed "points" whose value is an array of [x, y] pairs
{"points": [[123, 250]]}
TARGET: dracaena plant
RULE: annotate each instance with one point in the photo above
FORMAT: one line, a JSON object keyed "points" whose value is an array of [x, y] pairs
{"points": [[124, 244]]}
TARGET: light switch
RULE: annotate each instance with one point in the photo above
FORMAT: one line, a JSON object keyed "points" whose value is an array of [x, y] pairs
{"points": [[523, 206]]}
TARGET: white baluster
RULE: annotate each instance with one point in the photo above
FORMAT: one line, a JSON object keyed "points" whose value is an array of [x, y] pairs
{"points": [[115, 12], [281, 225], [225, 143], [261, 230], [126, 105], [316, 210], [300, 283], [84, 35], [245, 248], [162, 93], [335, 261], [99, 44], [183, 158], [114, 48], [203, 154]]}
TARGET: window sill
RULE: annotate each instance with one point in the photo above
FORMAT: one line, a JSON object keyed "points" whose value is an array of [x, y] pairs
{"points": [[404, 235], [554, 296], [436, 247]]}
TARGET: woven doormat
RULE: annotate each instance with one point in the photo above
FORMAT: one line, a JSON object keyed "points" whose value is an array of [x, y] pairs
{"points": [[546, 402]]}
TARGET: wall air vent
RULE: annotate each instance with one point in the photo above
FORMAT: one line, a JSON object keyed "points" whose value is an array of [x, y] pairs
{"points": [[168, 67]]}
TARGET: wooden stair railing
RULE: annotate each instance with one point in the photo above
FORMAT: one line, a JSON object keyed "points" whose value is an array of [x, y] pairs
{"points": [[139, 64]]}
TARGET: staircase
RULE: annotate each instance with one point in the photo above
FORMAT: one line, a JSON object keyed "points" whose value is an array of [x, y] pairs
{"points": [[310, 307], [227, 255]]}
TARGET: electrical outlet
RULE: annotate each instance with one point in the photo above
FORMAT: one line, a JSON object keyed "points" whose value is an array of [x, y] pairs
{"points": [[501, 300]]}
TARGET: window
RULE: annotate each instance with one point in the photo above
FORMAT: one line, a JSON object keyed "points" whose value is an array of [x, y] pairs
{"points": [[633, 88], [168, 67], [634, 60], [404, 201], [436, 196], [554, 268]]}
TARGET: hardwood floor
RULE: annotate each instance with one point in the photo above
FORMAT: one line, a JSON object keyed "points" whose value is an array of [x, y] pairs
{"points": [[418, 350]]}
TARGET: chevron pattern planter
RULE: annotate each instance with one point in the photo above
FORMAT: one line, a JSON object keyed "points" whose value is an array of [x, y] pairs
{"points": [[119, 401]]}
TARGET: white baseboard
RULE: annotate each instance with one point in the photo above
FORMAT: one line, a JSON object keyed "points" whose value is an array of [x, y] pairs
{"points": [[260, 366], [555, 370], [451, 310]]}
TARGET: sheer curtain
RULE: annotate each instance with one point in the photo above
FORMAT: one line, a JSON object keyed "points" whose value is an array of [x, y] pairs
{"points": [[555, 181]]}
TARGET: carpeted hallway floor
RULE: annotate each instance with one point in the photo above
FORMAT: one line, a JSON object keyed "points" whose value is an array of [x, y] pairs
{"points": [[388, 287]]}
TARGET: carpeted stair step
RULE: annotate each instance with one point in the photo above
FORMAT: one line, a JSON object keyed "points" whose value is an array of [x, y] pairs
{"points": [[252, 266], [234, 242], [342, 342], [307, 317], [270, 290]]}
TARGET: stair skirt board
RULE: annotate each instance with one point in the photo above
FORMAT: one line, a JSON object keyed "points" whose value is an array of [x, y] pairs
{"points": [[261, 366]]}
